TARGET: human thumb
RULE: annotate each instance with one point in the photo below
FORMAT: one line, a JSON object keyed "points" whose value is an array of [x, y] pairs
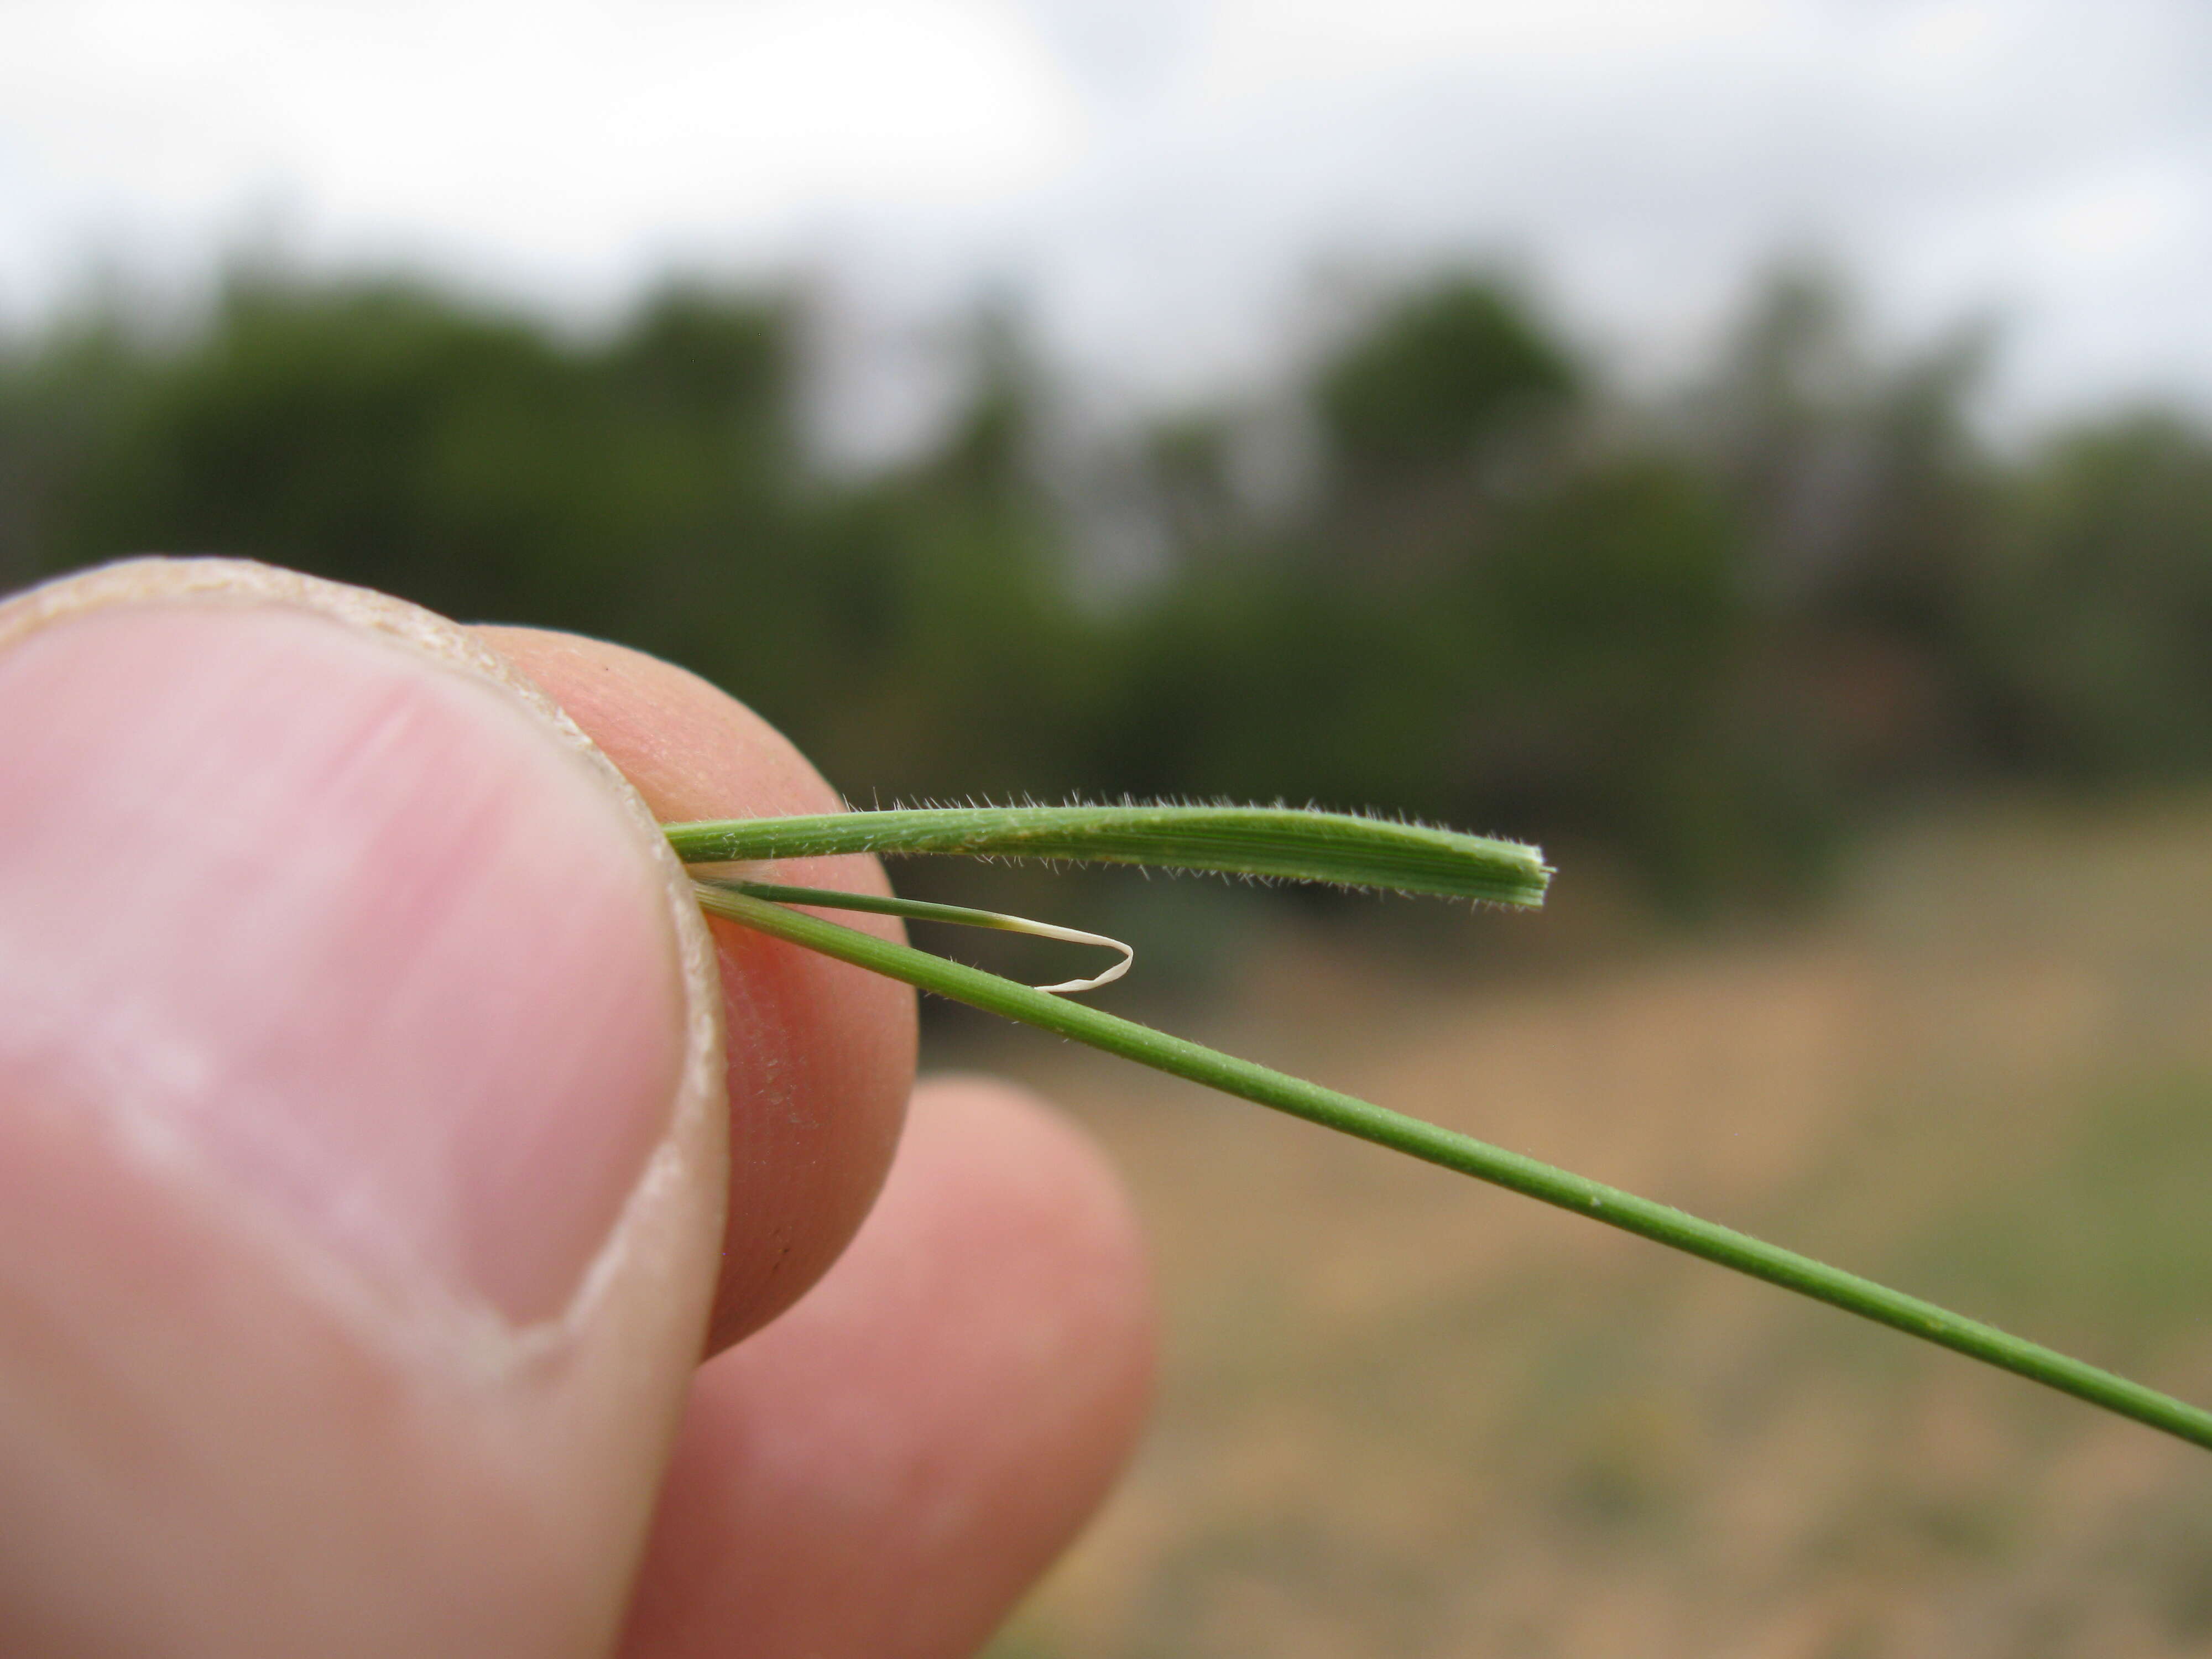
{"points": [[360, 1138]]}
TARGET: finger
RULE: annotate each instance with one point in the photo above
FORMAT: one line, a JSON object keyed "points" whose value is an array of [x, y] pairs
{"points": [[821, 1054], [361, 1134], [883, 1471]]}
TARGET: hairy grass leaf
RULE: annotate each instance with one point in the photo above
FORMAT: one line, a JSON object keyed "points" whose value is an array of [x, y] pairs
{"points": [[1344, 848]]}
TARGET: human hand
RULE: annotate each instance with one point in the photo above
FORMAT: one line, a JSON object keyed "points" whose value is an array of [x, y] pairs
{"points": [[369, 1175]]}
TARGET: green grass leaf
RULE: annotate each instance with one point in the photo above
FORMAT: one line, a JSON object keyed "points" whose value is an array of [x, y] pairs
{"points": [[1344, 848]]}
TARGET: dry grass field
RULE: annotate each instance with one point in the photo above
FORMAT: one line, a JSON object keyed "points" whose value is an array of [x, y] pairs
{"points": [[1402, 1415]]}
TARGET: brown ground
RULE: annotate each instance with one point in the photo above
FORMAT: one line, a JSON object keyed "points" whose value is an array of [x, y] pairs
{"points": [[1404, 1414]]}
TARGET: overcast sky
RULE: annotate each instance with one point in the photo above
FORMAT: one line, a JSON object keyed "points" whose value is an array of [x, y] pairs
{"points": [[1160, 179]]}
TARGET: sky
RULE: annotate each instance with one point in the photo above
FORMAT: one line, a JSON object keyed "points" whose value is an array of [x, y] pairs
{"points": [[1171, 189]]}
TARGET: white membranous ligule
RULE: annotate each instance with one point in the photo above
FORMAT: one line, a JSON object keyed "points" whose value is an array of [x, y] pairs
{"points": [[917, 910]]}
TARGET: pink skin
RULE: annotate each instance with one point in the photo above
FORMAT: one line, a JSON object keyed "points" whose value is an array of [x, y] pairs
{"points": [[973, 1372], [821, 1054], [365, 1194]]}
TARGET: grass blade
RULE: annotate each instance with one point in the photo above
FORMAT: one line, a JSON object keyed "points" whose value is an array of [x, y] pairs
{"points": [[1340, 847], [1452, 1151]]}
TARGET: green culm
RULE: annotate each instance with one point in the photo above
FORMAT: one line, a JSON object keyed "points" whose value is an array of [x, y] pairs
{"points": [[1346, 849]]}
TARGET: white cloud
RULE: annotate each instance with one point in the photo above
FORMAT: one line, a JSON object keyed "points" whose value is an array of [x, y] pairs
{"points": [[570, 135], [1160, 174]]}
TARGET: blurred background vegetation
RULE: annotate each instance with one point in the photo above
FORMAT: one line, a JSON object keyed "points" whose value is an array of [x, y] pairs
{"points": [[1924, 718], [1450, 568]]}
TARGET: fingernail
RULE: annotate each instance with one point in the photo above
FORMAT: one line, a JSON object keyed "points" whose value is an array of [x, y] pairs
{"points": [[338, 930]]}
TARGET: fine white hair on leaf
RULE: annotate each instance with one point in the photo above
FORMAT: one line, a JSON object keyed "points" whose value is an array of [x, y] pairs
{"points": [[1348, 849]]}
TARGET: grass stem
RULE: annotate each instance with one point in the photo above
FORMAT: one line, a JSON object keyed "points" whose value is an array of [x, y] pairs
{"points": [[1451, 1150]]}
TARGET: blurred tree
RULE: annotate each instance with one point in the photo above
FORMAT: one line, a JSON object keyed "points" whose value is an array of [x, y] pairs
{"points": [[1454, 395], [380, 433], [1870, 513], [1498, 592], [2104, 612], [1440, 372], [988, 675]]}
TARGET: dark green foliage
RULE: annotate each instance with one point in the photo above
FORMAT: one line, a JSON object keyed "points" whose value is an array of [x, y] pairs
{"points": [[384, 435], [1503, 596], [2104, 603], [1443, 371]]}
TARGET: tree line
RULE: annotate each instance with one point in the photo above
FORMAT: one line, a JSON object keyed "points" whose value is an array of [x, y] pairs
{"points": [[1706, 631]]}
